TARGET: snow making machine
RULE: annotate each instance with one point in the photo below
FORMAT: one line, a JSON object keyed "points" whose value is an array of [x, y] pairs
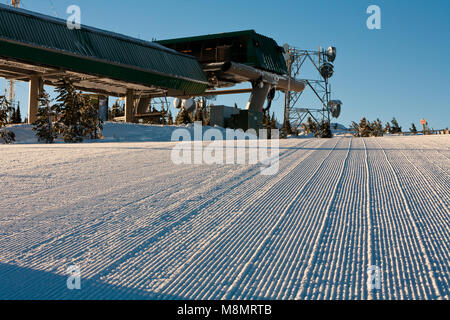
{"points": [[232, 58]]}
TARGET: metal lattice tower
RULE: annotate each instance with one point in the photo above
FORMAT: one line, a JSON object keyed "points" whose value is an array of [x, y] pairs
{"points": [[296, 59]]}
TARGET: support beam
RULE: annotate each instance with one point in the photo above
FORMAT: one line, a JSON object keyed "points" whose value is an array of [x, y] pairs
{"points": [[129, 106], [143, 105], [258, 96], [35, 87], [223, 92]]}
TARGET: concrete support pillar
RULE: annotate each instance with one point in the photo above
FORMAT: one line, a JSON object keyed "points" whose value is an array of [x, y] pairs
{"points": [[35, 86], [129, 106], [258, 96]]}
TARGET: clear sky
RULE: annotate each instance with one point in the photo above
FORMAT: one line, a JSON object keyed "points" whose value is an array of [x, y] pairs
{"points": [[399, 71]]}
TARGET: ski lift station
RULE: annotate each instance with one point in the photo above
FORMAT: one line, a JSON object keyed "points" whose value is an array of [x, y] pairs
{"points": [[42, 50]]}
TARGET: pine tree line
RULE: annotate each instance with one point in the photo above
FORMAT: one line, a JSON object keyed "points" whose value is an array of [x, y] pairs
{"points": [[74, 117], [319, 130], [269, 123], [16, 117], [374, 129], [199, 114]]}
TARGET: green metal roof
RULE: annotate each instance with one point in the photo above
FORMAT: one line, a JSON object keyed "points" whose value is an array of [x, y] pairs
{"points": [[45, 40], [262, 52], [209, 37]]}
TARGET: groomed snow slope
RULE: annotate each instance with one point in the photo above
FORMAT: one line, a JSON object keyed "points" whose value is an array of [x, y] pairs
{"points": [[140, 227]]}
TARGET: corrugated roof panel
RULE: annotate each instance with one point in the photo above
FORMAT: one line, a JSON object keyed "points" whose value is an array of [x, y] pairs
{"points": [[266, 55], [44, 32]]}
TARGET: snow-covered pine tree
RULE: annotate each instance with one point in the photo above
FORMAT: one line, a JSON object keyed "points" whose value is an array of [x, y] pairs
{"points": [[70, 103], [90, 118], [3, 111], [364, 128], [5, 135], [413, 129], [354, 128], [46, 131]]}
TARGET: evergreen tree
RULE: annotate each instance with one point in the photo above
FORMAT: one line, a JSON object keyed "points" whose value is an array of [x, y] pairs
{"points": [[325, 130], [311, 126], [170, 119], [3, 112], [117, 110], [266, 120], [305, 127], [199, 114], [286, 129], [5, 135], [354, 128], [183, 117], [267, 126], [413, 129], [44, 127], [4, 105], [18, 117], [379, 128], [364, 128], [13, 116], [395, 128], [90, 118], [376, 128], [273, 122], [206, 116], [70, 103], [387, 128]]}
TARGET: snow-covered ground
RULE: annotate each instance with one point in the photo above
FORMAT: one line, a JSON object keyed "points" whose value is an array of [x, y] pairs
{"points": [[113, 132], [140, 227]]}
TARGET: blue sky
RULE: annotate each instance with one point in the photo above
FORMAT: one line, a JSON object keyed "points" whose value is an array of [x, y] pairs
{"points": [[399, 71]]}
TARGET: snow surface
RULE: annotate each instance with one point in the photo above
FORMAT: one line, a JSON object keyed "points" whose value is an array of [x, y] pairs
{"points": [[114, 132], [140, 227]]}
